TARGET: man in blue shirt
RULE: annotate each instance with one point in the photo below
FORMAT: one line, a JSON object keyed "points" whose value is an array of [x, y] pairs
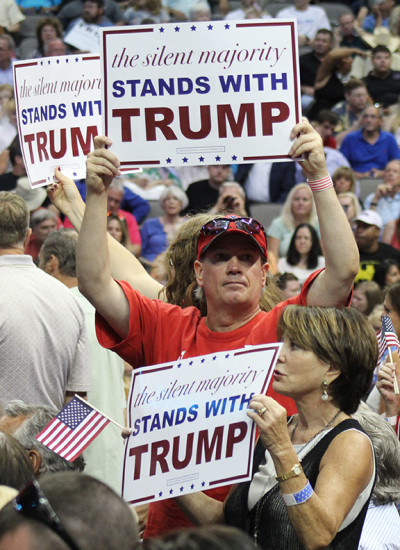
{"points": [[379, 16], [369, 150]]}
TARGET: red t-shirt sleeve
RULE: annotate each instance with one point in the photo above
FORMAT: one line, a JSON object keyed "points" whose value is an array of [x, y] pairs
{"points": [[130, 349], [152, 324], [301, 299]]}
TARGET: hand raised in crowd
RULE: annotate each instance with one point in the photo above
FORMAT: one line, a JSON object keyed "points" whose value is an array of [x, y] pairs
{"points": [[385, 384], [381, 191], [64, 194], [308, 145], [228, 203], [102, 166]]}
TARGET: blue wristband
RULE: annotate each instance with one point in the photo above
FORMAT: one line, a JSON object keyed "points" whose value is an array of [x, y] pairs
{"points": [[300, 497]]}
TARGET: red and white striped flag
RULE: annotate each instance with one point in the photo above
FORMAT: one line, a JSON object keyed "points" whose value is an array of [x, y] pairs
{"points": [[386, 337], [73, 429]]}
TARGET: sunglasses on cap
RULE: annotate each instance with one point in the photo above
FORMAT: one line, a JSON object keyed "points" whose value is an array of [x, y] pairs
{"points": [[220, 225], [213, 229], [33, 504]]}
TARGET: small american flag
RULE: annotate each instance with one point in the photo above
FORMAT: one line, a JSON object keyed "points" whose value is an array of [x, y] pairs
{"points": [[386, 337], [73, 429]]}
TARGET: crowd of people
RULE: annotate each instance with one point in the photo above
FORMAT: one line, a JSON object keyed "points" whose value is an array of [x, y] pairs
{"points": [[114, 272]]}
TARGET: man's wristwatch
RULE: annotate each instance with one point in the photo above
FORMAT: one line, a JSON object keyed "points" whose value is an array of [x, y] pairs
{"points": [[293, 472]]}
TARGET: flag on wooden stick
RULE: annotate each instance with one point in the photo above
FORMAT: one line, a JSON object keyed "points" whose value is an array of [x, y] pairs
{"points": [[387, 338]]}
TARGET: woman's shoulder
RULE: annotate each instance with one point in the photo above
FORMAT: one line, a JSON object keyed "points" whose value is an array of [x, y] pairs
{"points": [[349, 437], [152, 222], [277, 226], [283, 265]]}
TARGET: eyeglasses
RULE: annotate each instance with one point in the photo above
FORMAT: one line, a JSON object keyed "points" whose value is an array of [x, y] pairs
{"points": [[220, 225], [33, 503]]}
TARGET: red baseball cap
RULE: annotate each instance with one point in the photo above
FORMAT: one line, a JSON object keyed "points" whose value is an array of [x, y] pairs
{"points": [[232, 224]]}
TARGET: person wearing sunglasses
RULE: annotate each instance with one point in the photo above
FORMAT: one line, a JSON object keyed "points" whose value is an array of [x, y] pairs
{"points": [[231, 271]]}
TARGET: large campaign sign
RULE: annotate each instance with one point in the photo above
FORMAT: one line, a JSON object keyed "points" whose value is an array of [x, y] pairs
{"points": [[59, 114], [190, 428], [201, 93]]}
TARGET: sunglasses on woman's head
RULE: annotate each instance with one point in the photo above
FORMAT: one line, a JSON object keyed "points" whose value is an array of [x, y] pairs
{"points": [[33, 504]]}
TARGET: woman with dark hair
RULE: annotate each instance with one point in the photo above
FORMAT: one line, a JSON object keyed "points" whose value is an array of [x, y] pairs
{"points": [[47, 29], [117, 228], [313, 474], [387, 273], [304, 254]]}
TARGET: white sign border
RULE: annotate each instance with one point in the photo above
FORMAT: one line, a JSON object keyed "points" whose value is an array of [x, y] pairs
{"points": [[246, 475], [129, 165]]}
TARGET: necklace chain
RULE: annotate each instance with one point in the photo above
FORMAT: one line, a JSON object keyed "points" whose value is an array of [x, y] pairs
{"points": [[320, 431]]}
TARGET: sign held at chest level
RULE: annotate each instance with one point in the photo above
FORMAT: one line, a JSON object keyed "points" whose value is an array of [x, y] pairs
{"points": [[189, 425]]}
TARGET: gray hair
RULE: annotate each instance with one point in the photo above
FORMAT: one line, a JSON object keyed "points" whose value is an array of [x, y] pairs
{"points": [[36, 418], [232, 184], [62, 245], [174, 191], [116, 184], [41, 215], [387, 452]]}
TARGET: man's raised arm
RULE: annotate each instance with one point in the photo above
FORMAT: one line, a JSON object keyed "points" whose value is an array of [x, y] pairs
{"points": [[93, 263], [333, 286]]}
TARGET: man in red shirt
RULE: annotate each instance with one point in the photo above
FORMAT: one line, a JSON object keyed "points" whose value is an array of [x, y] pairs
{"points": [[231, 270]]}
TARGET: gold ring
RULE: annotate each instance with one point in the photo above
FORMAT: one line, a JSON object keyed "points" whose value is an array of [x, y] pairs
{"points": [[262, 411]]}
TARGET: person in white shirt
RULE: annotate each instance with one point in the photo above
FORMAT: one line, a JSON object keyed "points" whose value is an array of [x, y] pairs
{"points": [[309, 19], [381, 528], [10, 16]]}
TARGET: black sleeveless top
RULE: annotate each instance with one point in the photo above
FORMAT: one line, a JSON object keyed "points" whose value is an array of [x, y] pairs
{"points": [[274, 530]]}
